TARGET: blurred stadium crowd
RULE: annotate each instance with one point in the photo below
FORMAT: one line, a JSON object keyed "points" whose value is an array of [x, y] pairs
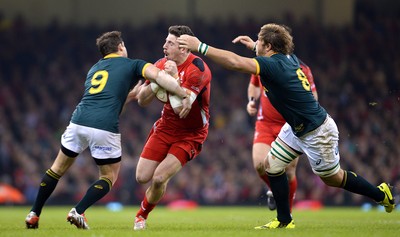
{"points": [[356, 69]]}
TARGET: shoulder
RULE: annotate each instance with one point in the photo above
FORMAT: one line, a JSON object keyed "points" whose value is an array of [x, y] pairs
{"points": [[130, 61], [267, 62], [197, 63], [160, 62]]}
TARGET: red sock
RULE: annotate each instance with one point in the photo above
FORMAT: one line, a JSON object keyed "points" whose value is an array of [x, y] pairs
{"points": [[292, 192], [264, 177], [145, 208]]}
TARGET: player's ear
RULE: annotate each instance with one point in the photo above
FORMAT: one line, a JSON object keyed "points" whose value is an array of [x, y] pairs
{"points": [[184, 50], [121, 46], [268, 46]]}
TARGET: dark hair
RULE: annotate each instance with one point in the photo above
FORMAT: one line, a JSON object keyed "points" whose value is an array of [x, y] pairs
{"points": [[180, 30], [108, 42], [278, 36]]}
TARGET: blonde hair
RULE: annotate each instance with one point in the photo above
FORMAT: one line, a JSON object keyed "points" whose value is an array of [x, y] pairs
{"points": [[278, 36]]}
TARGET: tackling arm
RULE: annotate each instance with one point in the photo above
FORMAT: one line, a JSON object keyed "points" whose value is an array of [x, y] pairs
{"points": [[165, 80], [133, 94], [146, 95], [223, 57]]}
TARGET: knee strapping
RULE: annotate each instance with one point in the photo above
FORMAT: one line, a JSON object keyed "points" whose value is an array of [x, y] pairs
{"points": [[279, 157], [275, 166]]}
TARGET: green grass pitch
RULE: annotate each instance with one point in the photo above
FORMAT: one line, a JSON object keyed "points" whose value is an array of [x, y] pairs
{"points": [[204, 222]]}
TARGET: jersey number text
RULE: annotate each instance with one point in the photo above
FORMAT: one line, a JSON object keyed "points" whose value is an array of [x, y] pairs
{"points": [[99, 81], [303, 78]]}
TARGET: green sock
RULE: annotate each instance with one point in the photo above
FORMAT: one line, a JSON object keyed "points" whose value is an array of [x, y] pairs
{"points": [[47, 186], [95, 192], [280, 188], [357, 184]]}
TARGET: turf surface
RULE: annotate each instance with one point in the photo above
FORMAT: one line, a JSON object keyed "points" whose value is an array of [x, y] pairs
{"points": [[204, 222]]}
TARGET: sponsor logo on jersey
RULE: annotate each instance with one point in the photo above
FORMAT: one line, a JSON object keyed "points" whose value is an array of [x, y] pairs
{"points": [[43, 184]]}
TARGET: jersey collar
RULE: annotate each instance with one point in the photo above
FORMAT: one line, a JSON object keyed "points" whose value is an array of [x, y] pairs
{"points": [[112, 55]]}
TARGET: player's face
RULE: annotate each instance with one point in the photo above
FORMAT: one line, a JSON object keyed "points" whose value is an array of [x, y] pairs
{"points": [[171, 48]]}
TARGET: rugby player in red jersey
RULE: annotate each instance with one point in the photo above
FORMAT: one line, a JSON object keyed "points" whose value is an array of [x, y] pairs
{"points": [[173, 141]]}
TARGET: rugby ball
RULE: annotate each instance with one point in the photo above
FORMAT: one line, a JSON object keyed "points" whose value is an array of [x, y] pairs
{"points": [[162, 95]]}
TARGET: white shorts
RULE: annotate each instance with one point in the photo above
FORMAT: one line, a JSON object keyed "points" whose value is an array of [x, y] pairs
{"points": [[102, 144], [320, 145]]}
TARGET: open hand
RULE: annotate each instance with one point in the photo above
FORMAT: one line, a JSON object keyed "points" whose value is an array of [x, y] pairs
{"points": [[186, 107], [189, 42], [246, 40]]}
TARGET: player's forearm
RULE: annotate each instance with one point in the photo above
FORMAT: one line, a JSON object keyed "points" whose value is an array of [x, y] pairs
{"points": [[145, 96], [167, 82], [225, 58], [164, 80], [253, 92], [230, 60]]}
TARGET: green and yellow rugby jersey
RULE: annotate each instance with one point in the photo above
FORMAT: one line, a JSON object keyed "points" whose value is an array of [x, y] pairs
{"points": [[290, 93], [107, 85]]}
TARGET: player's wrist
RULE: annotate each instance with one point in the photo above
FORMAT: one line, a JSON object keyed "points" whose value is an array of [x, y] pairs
{"points": [[203, 48], [252, 99], [187, 94], [254, 47]]}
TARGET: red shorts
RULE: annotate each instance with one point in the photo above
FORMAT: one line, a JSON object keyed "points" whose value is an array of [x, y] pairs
{"points": [[159, 144], [266, 132]]}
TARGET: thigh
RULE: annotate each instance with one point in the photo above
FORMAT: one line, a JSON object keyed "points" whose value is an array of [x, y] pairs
{"points": [[260, 152], [104, 144], [156, 147], [168, 168], [322, 148], [185, 150], [145, 169], [75, 138], [287, 136]]}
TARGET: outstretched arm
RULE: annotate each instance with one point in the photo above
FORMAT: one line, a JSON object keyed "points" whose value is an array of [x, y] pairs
{"points": [[223, 57]]}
